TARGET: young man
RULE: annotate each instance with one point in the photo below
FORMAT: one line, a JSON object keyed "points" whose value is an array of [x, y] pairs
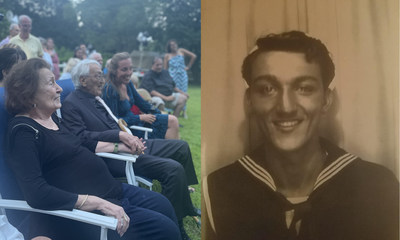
{"points": [[296, 185]]}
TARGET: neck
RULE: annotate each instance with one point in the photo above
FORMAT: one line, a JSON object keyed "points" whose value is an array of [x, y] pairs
{"points": [[24, 35], [296, 172], [42, 118]]}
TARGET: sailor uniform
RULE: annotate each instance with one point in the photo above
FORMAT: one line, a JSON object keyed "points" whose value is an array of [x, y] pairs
{"points": [[351, 199]]}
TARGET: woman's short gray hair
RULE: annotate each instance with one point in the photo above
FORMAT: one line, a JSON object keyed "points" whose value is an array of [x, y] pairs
{"points": [[82, 69]]}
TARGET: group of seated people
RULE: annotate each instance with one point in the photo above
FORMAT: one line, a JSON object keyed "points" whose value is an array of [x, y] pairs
{"points": [[54, 162]]}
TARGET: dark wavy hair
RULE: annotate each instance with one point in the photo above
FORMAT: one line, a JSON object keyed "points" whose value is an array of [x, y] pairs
{"points": [[293, 41], [21, 85], [8, 57], [168, 46]]}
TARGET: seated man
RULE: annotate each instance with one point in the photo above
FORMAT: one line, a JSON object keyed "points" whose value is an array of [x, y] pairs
{"points": [[162, 88], [296, 185], [168, 161]]}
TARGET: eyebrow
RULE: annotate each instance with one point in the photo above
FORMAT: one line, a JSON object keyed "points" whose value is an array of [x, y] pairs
{"points": [[274, 79], [266, 77]]}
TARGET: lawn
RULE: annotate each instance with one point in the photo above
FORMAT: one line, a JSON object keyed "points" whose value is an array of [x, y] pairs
{"points": [[191, 133]]}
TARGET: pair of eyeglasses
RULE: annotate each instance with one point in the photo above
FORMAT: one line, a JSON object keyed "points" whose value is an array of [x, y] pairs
{"points": [[97, 76]]}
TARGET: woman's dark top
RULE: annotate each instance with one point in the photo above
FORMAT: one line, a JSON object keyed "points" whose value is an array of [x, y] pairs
{"points": [[53, 166], [122, 109]]}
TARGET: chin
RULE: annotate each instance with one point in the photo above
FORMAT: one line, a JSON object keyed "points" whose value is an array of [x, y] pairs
{"points": [[287, 145]]}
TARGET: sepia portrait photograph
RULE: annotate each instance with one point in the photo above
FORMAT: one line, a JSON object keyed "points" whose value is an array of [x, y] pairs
{"points": [[300, 119]]}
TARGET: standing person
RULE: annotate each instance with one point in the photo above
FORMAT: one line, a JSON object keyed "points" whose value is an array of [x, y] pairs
{"points": [[54, 57], [46, 54], [85, 51], [120, 95], [58, 171], [79, 53], [14, 30], [295, 184], [30, 44], [174, 61]]}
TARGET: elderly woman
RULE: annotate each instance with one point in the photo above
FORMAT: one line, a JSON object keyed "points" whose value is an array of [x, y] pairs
{"points": [[55, 170], [120, 95]]}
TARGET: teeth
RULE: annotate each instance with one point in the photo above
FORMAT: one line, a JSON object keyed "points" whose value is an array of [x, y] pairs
{"points": [[287, 123]]}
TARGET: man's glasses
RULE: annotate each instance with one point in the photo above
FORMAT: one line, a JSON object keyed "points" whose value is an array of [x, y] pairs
{"points": [[97, 76]]}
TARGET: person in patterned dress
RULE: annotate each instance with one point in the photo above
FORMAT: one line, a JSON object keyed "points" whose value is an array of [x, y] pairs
{"points": [[174, 61]]}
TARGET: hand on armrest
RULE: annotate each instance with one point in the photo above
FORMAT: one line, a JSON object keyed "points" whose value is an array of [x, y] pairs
{"points": [[90, 203]]}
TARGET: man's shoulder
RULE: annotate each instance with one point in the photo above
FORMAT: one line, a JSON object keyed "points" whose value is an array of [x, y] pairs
{"points": [[148, 75], [165, 74], [33, 38], [370, 174], [230, 176], [15, 39], [74, 100]]}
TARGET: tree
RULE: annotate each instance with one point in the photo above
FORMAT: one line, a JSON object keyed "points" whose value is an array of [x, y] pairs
{"points": [[50, 18], [179, 20], [112, 26]]}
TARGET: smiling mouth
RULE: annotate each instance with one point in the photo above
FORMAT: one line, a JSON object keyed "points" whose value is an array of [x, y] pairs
{"points": [[287, 124]]}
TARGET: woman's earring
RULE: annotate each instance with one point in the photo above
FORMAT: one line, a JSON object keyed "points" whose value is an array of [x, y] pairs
{"points": [[34, 105]]}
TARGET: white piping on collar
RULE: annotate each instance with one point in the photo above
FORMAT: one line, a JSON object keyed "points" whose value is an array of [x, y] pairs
{"points": [[327, 173], [333, 168], [257, 171]]}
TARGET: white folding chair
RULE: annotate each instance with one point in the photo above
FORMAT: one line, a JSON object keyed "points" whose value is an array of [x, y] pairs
{"points": [[104, 222]]}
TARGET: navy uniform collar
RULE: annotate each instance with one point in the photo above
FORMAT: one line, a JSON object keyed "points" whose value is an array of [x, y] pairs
{"points": [[337, 159]]}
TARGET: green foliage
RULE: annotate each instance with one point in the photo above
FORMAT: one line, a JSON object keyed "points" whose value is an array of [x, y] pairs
{"points": [[4, 26], [64, 54], [62, 27], [113, 26]]}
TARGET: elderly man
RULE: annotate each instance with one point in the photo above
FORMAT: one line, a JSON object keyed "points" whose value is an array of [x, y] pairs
{"points": [[14, 30], [30, 44], [162, 88], [168, 161], [296, 185]]}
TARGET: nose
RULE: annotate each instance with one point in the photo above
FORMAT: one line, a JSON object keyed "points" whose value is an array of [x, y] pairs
{"points": [[287, 102], [102, 79], [59, 89]]}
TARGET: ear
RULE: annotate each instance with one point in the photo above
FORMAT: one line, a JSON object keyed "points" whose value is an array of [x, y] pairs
{"points": [[328, 98], [82, 81]]}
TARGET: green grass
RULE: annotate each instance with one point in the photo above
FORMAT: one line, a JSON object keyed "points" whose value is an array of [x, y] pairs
{"points": [[191, 133]]}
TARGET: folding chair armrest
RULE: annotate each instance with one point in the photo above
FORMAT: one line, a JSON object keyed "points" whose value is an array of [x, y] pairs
{"points": [[119, 156], [144, 129], [78, 215]]}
